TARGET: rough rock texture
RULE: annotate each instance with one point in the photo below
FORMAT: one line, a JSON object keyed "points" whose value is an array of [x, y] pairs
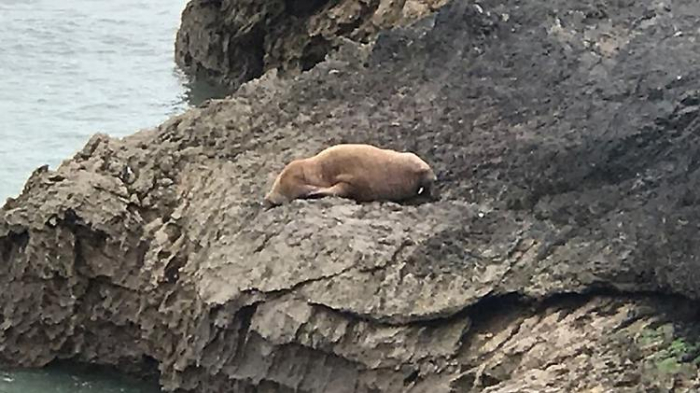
{"points": [[562, 256], [232, 41]]}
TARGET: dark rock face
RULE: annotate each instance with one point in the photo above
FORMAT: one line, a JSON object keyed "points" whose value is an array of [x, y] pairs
{"points": [[230, 42], [561, 256]]}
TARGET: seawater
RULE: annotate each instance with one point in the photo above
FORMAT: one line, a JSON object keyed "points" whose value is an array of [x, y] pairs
{"points": [[69, 69], [72, 379]]}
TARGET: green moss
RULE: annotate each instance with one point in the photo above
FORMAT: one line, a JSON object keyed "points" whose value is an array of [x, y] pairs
{"points": [[668, 366], [667, 354], [649, 337], [680, 348]]}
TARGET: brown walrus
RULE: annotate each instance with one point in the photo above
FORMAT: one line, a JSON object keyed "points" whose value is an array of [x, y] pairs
{"points": [[355, 171]]}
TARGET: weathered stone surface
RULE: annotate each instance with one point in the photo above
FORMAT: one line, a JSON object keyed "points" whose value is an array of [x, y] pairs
{"points": [[562, 255], [230, 42]]}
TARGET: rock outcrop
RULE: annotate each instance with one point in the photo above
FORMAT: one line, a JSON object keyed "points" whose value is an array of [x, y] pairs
{"points": [[230, 42], [562, 255]]}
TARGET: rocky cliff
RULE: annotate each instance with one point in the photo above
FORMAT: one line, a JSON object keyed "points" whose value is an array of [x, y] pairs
{"points": [[230, 42], [561, 257]]}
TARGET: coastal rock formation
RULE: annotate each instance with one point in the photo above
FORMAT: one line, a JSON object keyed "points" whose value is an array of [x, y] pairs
{"points": [[230, 42], [562, 255]]}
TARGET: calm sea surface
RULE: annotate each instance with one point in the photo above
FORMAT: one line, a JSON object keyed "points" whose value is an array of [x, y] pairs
{"points": [[71, 68], [68, 69]]}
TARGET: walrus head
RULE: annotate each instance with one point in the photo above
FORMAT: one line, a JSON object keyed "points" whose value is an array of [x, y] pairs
{"points": [[426, 186]]}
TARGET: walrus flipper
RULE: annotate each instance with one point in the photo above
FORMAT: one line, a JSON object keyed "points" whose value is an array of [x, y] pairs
{"points": [[338, 190]]}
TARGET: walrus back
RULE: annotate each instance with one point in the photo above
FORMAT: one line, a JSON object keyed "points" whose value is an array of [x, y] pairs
{"points": [[374, 173]]}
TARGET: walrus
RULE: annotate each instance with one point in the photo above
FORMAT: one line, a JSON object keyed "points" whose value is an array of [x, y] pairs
{"points": [[360, 172]]}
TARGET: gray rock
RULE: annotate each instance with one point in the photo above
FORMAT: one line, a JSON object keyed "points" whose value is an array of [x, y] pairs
{"points": [[562, 255], [230, 42]]}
